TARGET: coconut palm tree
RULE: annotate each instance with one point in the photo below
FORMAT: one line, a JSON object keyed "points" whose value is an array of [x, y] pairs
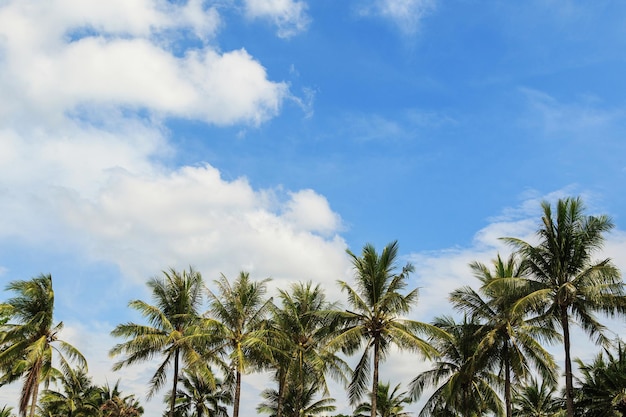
{"points": [[389, 404], [77, 397], [537, 399], [31, 338], [202, 395], [464, 382], [601, 386], [376, 319], [173, 328], [238, 314], [297, 402], [301, 328], [113, 403], [6, 411], [508, 338], [565, 282]]}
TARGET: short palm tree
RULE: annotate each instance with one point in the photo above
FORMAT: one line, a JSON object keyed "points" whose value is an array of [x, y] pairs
{"points": [[238, 314], [301, 327], [537, 399], [376, 319], [601, 385], [6, 411], [113, 403], [173, 331], [464, 382], [77, 396], [565, 282], [508, 338], [389, 404], [30, 339], [201, 395], [297, 402]]}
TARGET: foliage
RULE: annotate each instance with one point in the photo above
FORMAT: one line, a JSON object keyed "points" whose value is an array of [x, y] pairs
{"points": [[200, 395], [388, 404], [375, 320], [173, 330], [464, 384], [30, 339], [78, 397], [535, 399], [564, 282]]}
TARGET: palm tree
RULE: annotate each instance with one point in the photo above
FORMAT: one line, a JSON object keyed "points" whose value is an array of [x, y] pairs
{"points": [[201, 395], [6, 411], [464, 382], [297, 402], [113, 404], [389, 404], [376, 321], [28, 343], [565, 283], [238, 315], [536, 399], [602, 384], [78, 396], [300, 329], [508, 338], [173, 331]]}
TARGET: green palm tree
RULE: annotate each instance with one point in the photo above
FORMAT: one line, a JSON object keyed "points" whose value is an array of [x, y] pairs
{"points": [[113, 404], [508, 338], [602, 384], [536, 399], [238, 314], [30, 339], [78, 397], [297, 402], [301, 328], [565, 282], [173, 331], [376, 319], [201, 395], [464, 382], [6, 411], [389, 404]]}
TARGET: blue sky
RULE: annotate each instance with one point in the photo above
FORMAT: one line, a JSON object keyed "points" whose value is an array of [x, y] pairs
{"points": [[271, 135]]}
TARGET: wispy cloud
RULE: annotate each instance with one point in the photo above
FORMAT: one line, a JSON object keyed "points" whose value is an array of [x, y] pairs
{"points": [[289, 16], [405, 14]]}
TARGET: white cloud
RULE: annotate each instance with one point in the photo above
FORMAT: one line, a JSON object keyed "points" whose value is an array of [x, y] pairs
{"points": [[289, 16], [405, 14], [55, 62]]}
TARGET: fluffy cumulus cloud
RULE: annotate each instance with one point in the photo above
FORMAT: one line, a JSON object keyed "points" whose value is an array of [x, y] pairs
{"points": [[289, 16], [67, 54], [405, 14]]}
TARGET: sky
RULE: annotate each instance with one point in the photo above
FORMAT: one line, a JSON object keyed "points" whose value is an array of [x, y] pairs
{"points": [[272, 135]]}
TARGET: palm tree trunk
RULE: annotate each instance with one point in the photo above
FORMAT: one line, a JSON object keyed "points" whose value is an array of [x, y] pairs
{"points": [[569, 385], [375, 378], [173, 400], [507, 383], [282, 377], [237, 393], [34, 400]]}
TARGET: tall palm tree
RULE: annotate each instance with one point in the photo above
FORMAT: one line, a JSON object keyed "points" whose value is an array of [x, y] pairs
{"points": [[464, 382], [376, 319], [602, 384], [537, 399], [31, 338], [565, 282], [508, 338], [77, 397], [238, 314], [389, 404], [301, 328], [201, 395], [173, 331]]}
